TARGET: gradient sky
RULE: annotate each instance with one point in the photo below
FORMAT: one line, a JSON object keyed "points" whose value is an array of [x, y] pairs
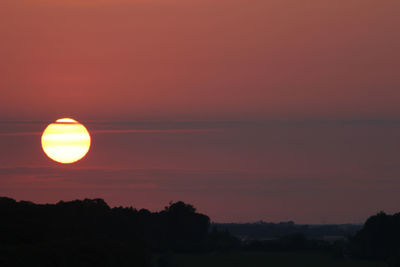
{"points": [[250, 110]]}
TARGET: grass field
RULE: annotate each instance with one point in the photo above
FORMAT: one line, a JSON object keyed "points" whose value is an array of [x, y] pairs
{"points": [[262, 259]]}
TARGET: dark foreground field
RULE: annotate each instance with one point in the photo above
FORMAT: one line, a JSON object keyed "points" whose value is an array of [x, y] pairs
{"points": [[262, 259]]}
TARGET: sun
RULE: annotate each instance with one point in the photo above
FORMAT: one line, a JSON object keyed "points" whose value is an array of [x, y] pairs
{"points": [[66, 141]]}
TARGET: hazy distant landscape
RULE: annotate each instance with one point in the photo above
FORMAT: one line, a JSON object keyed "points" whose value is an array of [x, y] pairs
{"points": [[268, 231]]}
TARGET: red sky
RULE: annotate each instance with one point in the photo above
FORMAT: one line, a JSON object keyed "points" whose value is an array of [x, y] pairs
{"points": [[250, 110]]}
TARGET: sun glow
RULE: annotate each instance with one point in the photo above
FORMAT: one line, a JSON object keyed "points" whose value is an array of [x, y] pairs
{"points": [[66, 141]]}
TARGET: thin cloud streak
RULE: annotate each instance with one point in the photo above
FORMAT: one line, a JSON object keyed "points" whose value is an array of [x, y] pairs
{"points": [[124, 131], [31, 128], [155, 131], [180, 179], [20, 134]]}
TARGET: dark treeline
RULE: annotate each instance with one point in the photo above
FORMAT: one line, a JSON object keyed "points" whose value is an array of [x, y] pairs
{"points": [[90, 233]]}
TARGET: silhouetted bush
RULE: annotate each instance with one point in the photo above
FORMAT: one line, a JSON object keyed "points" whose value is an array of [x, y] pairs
{"points": [[222, 241], [379, 239]]}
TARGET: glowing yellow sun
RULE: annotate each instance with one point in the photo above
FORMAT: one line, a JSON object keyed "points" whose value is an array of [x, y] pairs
{"points": [[66, 141]]}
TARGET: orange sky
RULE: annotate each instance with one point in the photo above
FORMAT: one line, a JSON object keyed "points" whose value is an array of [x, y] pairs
{"points": [[200, 60], [267, 103]]}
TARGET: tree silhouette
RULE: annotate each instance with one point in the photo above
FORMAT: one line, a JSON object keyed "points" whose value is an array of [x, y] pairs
{"points": [[90, 233], [379, 238]]}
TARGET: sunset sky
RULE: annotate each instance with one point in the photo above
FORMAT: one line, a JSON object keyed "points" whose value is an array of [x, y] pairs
{"points": [[252, 110]]}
